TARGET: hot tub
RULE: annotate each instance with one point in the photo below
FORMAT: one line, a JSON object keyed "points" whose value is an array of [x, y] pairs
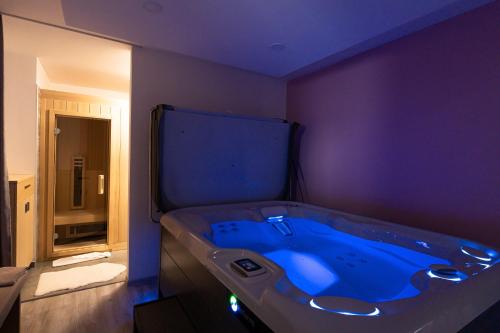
{"points": [[292, 267]]}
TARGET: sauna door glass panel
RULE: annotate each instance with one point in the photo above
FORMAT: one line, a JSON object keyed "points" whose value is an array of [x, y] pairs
{"points": [[81, 186]]}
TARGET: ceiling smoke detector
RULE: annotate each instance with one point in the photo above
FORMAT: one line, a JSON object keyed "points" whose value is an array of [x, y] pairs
{"points": [[152, 6], [277, 46]]}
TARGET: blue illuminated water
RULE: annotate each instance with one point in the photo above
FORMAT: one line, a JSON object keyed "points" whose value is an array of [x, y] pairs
{"points": [[323, 261]]}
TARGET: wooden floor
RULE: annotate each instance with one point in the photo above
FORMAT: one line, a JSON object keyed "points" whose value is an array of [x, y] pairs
{"points": [[107, 309]]}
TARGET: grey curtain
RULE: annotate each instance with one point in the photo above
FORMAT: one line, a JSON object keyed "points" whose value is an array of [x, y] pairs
{"points": [[5, 231]]}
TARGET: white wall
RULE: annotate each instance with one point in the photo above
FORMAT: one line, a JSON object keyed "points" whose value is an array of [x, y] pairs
{"points": [[44, 82], [21, 118], [27, 45], [23, 75], [167, 78], [20, 113], [119, 97], [42, 79]]}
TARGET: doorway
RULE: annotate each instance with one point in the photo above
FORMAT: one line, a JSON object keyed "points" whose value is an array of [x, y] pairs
{"points": [[60, 83], [80, 176]]}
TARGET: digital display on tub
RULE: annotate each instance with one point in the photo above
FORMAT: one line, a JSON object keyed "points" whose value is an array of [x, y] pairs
{"points": [[323, 261], [248, 265]]}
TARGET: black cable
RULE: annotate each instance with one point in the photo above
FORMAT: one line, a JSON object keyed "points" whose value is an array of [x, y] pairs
{"points": [[295, 177]]}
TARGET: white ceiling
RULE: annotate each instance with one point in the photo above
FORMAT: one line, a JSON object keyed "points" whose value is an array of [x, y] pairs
{"points": [[69, 57], [239, 32]]}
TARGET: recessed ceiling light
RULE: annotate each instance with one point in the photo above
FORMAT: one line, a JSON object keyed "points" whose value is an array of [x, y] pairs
{"points": [[152, 6], [277, 46]]}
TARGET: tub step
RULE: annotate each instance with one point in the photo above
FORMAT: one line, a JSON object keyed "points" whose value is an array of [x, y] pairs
{"points": [[164, 315]]}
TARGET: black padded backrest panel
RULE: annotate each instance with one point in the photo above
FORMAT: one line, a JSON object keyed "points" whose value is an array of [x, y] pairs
{"points": [[209, 158]]}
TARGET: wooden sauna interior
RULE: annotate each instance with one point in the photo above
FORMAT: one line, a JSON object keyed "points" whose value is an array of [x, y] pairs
{"points": [[81, 193], [83, 138]]}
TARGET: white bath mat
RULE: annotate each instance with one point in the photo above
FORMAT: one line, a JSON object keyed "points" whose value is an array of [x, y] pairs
{"points": [[80, 258], [77, 277]]}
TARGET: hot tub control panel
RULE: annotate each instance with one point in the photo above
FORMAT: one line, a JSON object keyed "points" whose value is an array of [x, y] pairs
{"points": [[247, 267]]}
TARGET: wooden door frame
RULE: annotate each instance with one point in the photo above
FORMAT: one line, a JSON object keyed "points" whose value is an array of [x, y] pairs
{"points": [[46, 207]]}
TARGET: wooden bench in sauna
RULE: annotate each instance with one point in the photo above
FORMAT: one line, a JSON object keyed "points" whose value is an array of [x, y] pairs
{"points": [[81, 222]]}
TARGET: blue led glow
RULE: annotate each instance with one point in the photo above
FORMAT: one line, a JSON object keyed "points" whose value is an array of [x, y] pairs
{"points": [[306, 271], [148, 297], [374, 313], [423, 244], [464, 251], [482, 264], [485, 266], [323, 261], [456, 278], [492, 253], [277, 218]]}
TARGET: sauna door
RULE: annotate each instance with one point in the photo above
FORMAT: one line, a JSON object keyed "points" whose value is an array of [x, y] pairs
{"points": [[80, 200]]}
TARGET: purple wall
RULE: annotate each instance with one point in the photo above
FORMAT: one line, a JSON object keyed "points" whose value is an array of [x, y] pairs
{"points": [[410, 132]]}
